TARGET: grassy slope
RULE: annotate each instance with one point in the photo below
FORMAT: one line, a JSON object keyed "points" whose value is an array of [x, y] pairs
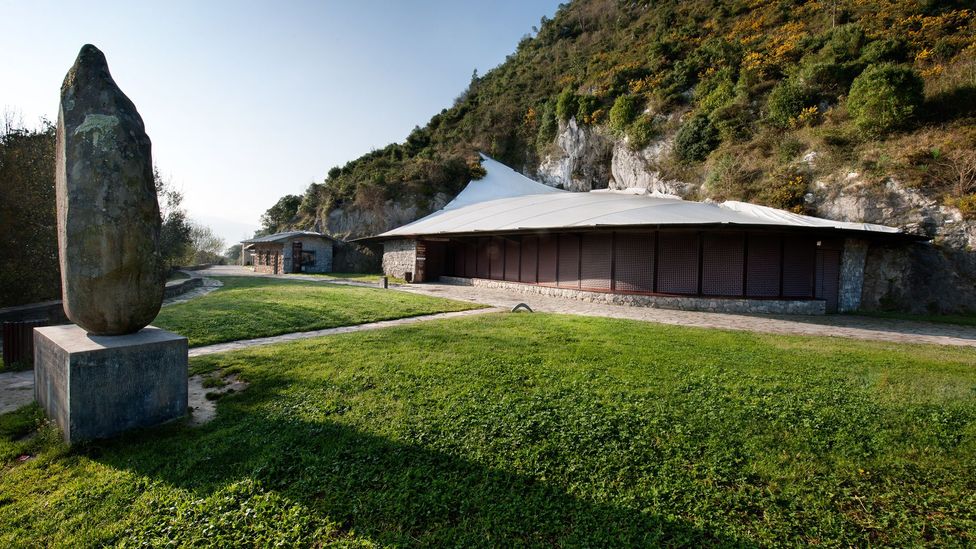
{"points": [[258, 307], [537, 429]]}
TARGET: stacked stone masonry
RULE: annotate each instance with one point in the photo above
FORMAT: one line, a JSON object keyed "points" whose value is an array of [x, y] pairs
{"points": [[689, 303]]}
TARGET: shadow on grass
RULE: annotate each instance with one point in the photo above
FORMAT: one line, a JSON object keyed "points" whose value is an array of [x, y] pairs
{"points": [[392, 492]]}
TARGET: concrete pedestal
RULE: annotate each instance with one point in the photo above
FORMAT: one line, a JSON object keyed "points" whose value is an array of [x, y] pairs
{"points": [[100, 386]]}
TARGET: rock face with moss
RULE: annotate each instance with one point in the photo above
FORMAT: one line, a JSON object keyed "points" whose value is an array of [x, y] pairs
{"points": [[108, 215]]}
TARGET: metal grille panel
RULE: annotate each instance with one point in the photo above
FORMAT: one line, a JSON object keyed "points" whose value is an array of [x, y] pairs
{"points": [[763, 266], [512, 260], [470, 259], [483, 258], [496, 258], [569, 260], [677, 270], [595, 261], [634, 262], [722, 263], [530, 250], [828, 278], [547, 259], [457, 249], [799, 262]]}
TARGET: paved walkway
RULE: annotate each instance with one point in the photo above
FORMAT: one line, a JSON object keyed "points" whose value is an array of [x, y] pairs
{"points": [[237, 270], [16, 390], [248, 343], [850, 326]]}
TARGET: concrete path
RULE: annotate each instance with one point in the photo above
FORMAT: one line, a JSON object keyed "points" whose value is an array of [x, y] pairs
{"points": [[857, 327], [248, 343], [16, 390], [237, 270]]}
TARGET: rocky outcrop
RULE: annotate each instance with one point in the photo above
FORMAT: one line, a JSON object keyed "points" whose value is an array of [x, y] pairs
{"points": [[354, 222], [108, 216], [581, 160], [932, 277], [632, 169]]}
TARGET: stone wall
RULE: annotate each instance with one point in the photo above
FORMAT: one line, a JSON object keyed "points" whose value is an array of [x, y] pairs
{"points": [[399, 257], [851, 275], [323, 254], [688, 303]]}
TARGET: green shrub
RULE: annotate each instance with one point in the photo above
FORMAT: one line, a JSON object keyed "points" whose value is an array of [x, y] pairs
{"points": [[888, 50], [641, 132], [884, 98], [548, 127], [733, 122], [625, 110], [588, 109], [965, 204], [567, 104], [845, 42], [785, 102], [717, 91], [785, 189], [695, 139]]}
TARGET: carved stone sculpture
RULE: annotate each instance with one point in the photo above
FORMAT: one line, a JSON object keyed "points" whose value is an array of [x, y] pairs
{"points": [[108, 215]]}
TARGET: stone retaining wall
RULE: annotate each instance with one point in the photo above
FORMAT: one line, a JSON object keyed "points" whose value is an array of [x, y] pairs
{"points": [[399, 257], [180, 287], [688, 303]]}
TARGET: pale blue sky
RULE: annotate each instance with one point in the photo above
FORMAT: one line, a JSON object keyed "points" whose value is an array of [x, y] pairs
{"points": [[248, 101]]}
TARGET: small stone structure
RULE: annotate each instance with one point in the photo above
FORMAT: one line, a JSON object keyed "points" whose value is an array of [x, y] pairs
{"points": [[687, 303], [109, 372], [100, 386], [399, 257], [289, 252]]}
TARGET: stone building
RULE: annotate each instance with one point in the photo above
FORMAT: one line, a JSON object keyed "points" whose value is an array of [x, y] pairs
{"points": [[288, 252], [506, 230]]}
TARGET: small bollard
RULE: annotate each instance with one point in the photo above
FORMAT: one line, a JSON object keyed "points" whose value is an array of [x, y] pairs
{"points": [[386, 282]]}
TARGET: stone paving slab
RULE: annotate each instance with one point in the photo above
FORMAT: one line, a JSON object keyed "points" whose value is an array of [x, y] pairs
{"points": [[248, 343], [16, 390], [849, 326]]}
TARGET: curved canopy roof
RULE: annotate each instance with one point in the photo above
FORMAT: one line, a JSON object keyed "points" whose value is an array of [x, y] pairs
{"points": [[506, 201]]}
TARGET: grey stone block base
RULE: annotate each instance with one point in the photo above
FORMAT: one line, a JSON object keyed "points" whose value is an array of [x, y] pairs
{"points": [[99, 386]]}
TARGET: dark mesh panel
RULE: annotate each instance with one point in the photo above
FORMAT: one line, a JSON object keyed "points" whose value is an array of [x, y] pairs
{"points": [[677, 270], [547, 259], [483, 258], [799, 257], [458, 249], [828, 277], [512, 260], [496, 256], [530, 249], [634, 262], [595, 264], [470, 259], [762, 272], [569, 247], [722, 257]]}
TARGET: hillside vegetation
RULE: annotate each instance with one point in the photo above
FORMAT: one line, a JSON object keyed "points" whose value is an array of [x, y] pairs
{"points": [[741, 88]]}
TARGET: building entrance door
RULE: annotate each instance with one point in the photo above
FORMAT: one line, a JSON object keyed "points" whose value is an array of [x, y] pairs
{"points": [[296, 257], [828, 277]]}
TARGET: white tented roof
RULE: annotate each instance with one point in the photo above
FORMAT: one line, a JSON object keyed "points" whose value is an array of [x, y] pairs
{"points": [[505, 200]]}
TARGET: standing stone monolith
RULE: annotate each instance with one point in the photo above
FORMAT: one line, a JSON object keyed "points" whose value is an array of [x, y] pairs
{"points": [[108, 215]]}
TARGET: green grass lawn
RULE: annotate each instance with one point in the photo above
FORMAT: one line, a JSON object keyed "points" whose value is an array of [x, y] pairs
{"points": [[532, 429], [359, 277], [249, 307]]}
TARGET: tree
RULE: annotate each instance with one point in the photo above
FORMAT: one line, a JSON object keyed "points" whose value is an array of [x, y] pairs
{"points": [[30, 270], [696, 138], [233, 254], [885, 97], [277, 217], [174, 234], [206, 247]]}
